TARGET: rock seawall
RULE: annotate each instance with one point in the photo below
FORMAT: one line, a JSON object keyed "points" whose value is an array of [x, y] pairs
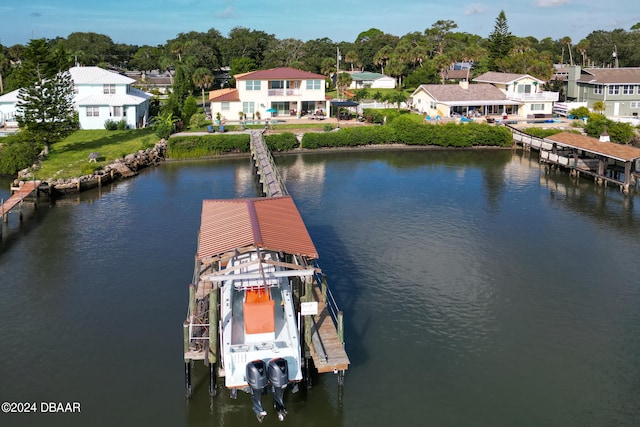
{"points": [[114, 171]]}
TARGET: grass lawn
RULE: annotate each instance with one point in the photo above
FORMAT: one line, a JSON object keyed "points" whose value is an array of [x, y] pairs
{"points": [[69, 158]]}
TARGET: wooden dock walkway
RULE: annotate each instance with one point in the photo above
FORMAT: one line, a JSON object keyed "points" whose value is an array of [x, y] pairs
{"points": [[327, 349], [17, 198], [270, 179], [607, 162]]}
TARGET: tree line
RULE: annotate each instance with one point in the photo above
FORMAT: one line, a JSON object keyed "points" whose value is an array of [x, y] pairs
{"points": [[415, 58]]}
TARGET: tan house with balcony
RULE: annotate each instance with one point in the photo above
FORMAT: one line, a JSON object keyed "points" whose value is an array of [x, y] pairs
{"points": [[523, 89], [274, 92]]}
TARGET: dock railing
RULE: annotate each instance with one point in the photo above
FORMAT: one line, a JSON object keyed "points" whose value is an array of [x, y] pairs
{"points": [[330, 302]]}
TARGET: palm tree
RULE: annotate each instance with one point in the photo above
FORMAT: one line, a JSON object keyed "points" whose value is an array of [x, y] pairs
{"points": [[582, 48], [567, 41], [351, 57], [203, 79], [382, 56]]}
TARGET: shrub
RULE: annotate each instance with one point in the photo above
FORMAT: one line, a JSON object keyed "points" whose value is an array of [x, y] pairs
{"points": [[110, 125], [88, 170], [281, 141], [122, 125], [188, 147], [199, 120], [16, 153]]}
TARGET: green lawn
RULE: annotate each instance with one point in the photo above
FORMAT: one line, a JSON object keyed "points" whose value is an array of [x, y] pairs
{"points": [[69, 158]]}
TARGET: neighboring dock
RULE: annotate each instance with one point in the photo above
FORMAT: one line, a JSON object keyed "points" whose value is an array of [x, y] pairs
{"points": [[607, 162], [28, 190]]}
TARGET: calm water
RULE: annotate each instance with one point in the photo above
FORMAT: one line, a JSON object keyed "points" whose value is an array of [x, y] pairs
{"points": [[478, 290]]}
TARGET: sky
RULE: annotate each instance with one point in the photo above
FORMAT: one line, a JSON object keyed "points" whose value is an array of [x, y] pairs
{"points": [[153, 22]]}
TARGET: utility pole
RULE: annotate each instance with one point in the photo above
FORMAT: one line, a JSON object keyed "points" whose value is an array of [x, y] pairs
{"points": [[338, 58], [615, 55]]}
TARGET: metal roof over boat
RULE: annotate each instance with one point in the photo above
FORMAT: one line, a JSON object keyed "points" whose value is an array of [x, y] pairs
{"points": [[272, 223]]}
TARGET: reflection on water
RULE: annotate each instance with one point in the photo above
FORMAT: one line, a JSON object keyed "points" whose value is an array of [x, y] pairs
{"points": [[478, 289]]}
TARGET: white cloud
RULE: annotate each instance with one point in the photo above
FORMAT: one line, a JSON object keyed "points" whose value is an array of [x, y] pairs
{"points": [[552, 3], [474, 9], [226, 13]]}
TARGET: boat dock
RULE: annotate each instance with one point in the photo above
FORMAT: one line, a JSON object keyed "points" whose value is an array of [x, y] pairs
{"points": [[607, 162], [269, 231], [28, 190]]}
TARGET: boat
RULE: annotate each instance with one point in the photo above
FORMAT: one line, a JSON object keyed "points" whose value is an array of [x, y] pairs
{"points": [[254, 257]]}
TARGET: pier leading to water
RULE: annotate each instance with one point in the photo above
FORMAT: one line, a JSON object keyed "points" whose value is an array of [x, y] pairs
{"points": [[28, 190], [606, 162]]}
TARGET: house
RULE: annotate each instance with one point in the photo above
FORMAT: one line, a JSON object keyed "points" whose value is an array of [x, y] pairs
{"points": [[523, 89], [365, 79], [514, 95], [99, 95], [8, 112], [278, 91], [617, 88], [461, 99]]}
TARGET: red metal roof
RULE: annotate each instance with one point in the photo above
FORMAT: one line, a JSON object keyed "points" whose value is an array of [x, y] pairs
{"points": [[272, 223], [282, 73], [228, 94]]}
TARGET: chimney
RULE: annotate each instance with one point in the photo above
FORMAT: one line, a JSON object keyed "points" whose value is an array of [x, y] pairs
{"points": [[464, 84], [604, 137]]}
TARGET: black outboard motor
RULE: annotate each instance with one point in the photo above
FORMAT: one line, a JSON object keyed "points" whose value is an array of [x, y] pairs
{"points": [[279, 378], [257, 378]]}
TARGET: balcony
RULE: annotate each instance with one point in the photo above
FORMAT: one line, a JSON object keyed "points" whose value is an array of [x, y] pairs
{"points": [[285, 92], [533, 97]]}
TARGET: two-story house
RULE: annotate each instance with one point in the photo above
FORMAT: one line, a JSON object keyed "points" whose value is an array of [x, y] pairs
{"points": [[99, 95], [277, 91], [617, 88], [515, 95]]}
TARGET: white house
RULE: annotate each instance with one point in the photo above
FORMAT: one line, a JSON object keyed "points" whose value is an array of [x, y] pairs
{"points": [[99, 95], [365, 79], [277, 91], [8, 103]]}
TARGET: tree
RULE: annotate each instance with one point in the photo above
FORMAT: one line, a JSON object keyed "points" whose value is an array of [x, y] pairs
{"points": [[46, 102], [396, 97], [500, 41], [439, 32], [567, 41], [343, 81], [352, 58], [381, 57], [17, 152], [599, 107], [203, 79]]}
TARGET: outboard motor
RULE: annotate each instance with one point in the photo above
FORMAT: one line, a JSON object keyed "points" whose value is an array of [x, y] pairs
{"points": [[257, 378], [279, 378]]}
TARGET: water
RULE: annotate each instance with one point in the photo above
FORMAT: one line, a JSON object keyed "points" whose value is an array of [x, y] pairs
{"points": [[478, 289]]}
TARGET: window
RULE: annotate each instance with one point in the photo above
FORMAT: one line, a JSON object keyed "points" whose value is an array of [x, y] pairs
{"points": [[433, 105], [93, 111], [627, 89], [314, 84], [597, 90], [277, 84], [253, 85], [524, 88], [614, 90], [634, 104], [224, 106], [75, 89], [537, 107], [108, 89], [248, 107], [117, 111]]}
